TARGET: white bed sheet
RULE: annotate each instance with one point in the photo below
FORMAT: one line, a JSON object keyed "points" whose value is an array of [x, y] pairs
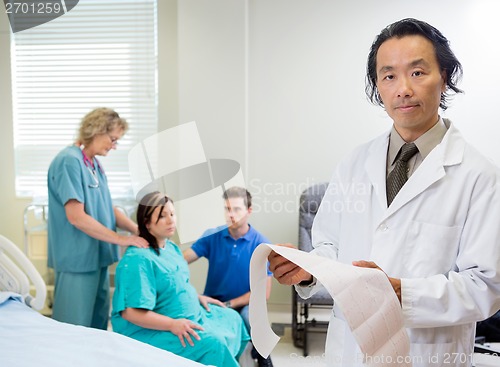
{"points": [[28, 338]]}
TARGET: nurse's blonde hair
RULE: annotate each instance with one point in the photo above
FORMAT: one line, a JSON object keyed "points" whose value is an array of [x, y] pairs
{"points": [[99, 121]]}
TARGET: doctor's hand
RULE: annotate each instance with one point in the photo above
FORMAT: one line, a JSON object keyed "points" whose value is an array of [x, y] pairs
{"points": [[395, 282], [185, 329], [285, 271], [205, 301]]}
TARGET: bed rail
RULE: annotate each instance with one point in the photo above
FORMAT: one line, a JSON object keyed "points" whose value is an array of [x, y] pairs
{"points": [[16, 273]]}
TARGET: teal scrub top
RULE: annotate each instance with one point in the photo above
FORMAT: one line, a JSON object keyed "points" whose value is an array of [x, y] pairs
{"points": [[69, 249], [160, 283], [157, 283]]}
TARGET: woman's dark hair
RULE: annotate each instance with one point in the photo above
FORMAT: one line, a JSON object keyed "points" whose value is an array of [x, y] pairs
{"points": [[409, 27], [145, 210]]}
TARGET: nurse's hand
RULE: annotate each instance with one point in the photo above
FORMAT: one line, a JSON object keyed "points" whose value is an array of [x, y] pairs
{"points": [[395, 282], [185, 329], [205, 301], [285, 271], [133, 241]]}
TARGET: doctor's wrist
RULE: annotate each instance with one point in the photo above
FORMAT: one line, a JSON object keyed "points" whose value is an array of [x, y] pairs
{"points": [[308, 282], [396, 285]]}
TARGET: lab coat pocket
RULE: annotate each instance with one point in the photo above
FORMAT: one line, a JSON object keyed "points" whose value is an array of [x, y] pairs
{"points": [[432, 248]]}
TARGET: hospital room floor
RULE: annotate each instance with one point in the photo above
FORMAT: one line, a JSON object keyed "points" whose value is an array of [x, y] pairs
{"points": [[285, 354]]}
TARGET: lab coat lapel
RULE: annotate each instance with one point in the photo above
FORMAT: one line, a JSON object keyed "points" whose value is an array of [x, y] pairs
{"points": [[448, 152], [375, 166]]}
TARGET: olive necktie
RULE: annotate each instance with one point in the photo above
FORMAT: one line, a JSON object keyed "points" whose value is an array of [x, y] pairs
{"points": [[399, 175]]}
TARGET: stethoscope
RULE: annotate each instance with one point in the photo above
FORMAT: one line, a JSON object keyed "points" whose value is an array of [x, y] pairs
{"points": [[90, 167]]}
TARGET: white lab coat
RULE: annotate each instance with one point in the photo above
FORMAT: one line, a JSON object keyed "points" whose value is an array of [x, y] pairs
{"points": [[441, 236]]}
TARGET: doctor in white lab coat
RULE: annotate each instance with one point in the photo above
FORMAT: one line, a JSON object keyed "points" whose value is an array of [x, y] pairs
{"points": [[438, 241]]}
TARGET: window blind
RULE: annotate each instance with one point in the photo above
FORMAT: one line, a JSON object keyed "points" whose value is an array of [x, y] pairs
{"points": [[103, 53]]}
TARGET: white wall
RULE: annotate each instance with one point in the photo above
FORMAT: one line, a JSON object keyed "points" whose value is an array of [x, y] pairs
{"points": [[11, 208], [278, 85], [302, 84]]}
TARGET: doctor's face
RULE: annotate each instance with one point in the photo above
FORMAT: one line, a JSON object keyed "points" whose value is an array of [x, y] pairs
{"points": [[410, 83]]}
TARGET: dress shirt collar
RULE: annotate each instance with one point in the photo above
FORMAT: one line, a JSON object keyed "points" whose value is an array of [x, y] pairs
{"points": [[425, 143]]}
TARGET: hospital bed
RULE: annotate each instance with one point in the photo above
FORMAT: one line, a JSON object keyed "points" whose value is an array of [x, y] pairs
{"points": [[27, 338]]}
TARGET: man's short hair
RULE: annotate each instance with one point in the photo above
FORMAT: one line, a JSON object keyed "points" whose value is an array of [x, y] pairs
{"points": [[238, 192]]}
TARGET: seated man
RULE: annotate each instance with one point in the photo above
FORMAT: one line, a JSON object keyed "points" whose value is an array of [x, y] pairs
{"points": [[229, 251]]}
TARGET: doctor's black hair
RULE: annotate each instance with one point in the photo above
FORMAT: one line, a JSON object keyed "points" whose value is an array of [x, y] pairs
{"points": [[145, 210], [447, 60]]}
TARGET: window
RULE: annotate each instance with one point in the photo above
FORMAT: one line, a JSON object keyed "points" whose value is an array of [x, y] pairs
{"points": [[102, 53]]}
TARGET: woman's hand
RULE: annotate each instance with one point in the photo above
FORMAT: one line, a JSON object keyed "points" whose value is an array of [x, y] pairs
{"points": [[205, 301], [185, 329]]}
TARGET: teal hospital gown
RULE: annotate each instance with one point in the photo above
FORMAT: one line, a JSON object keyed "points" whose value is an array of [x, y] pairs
{"points": [[161, 284]]}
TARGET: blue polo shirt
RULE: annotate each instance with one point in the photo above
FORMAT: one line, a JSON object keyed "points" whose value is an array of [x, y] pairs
{"points": [[228, 261], [69, 249]]}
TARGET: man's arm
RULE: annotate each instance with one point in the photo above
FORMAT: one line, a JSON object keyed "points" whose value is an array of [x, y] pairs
{"points": [[244, 299], [190, 255]]}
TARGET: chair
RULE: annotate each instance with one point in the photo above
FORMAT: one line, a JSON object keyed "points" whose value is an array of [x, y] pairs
{"points": [[301, 324], [488, 332]]}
